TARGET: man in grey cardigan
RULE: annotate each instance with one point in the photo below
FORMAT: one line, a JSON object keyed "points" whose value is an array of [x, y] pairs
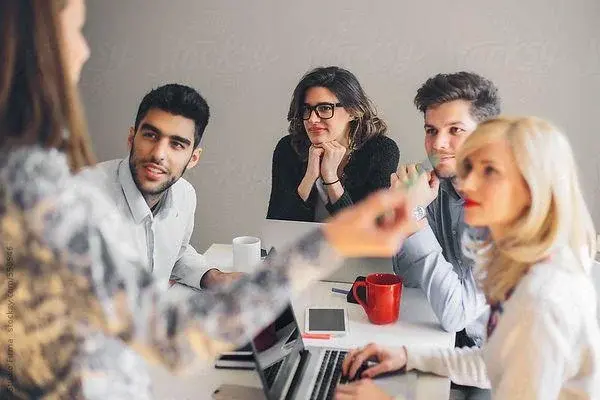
{"points": [[432, 258]]}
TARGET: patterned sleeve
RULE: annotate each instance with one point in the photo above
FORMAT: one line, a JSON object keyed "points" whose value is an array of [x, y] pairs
{"points": [[212, 321], [122, 299]]}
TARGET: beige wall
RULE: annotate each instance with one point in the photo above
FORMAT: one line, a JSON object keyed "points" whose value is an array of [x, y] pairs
{"points": [[246, 57]]}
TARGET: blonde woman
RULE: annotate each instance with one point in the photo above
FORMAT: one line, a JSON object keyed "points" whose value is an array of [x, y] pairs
{"points": [[518, 179]]}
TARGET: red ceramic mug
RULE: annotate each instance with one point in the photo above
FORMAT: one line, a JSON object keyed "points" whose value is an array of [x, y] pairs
{"points": [[384, 292]]}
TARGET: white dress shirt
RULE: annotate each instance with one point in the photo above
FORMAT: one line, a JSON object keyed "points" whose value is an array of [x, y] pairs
{"points": [[163, 238], [546, 344]]}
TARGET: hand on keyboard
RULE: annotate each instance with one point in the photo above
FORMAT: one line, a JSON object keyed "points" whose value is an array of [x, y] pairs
{"points": [[356, 366], [346, 379]]}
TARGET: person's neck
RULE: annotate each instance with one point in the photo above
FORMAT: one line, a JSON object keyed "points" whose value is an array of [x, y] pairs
{"points": [[497, 232], [454, 182], [345, 140], [153, 199]]}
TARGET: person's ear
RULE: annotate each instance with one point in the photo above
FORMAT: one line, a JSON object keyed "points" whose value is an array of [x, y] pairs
{"points": [[130, 138], [195, 158]]}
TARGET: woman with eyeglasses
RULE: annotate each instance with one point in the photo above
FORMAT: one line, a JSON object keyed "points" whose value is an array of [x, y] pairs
{"points": [[336, 152]]}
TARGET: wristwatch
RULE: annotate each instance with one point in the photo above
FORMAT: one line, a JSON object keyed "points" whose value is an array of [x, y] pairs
{"points": [[418, 213]]}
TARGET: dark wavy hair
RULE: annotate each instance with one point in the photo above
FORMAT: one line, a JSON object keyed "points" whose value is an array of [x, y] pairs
{"points": [[347, 89]]}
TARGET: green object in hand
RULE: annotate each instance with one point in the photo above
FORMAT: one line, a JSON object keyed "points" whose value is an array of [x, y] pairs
{"points": [[434, 160]]}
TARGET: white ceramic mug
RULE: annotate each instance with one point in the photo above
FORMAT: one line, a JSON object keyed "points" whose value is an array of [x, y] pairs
{"points": [[246, 253]]}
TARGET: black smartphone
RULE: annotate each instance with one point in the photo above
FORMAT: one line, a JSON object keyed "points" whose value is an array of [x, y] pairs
{"points": [[361, 292]]}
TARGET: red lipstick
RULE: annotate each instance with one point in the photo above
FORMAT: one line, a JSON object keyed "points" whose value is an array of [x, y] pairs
{"points": [[470, 203]]}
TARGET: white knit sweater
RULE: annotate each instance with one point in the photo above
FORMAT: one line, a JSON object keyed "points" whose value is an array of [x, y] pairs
{"points": [[546, 344]]}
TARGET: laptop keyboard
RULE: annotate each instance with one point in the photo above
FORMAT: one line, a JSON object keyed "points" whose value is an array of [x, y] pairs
{"points": [[329, 375], [271, 372]]}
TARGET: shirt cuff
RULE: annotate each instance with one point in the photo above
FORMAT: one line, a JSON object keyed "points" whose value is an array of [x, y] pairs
{"points": [[344, 201], [419, 358], [420, 244], [192, 275], [462, 366]]}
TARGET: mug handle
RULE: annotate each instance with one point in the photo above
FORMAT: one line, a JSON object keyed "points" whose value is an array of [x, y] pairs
{"points": [[355, 293]]}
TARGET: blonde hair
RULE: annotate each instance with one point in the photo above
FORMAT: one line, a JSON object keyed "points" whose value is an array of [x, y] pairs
{"points": [[557, 215]]}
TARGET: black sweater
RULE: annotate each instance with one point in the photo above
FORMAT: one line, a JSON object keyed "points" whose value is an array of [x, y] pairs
{"points": [[369, 169]]}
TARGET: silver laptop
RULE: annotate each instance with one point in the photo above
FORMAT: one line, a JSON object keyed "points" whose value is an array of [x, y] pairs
{"points": [[289, 370], [280, 234]]}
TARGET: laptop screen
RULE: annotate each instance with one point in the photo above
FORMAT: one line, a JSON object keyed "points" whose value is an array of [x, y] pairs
{"points": [[277, 352]]}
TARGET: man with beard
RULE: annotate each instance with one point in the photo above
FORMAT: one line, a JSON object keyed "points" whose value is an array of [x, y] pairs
{"points": [[149, 190], [432, 257]]}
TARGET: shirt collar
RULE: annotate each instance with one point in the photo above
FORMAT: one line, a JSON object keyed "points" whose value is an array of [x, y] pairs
{"points": [[447, 186], [137, 204], [165, 205]]}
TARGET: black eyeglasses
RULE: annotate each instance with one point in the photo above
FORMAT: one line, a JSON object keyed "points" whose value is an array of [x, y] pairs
{"points": [[323, 110]]}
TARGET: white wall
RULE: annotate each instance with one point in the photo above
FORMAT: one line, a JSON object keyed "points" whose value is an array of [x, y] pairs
{"points": [[246, 57]]}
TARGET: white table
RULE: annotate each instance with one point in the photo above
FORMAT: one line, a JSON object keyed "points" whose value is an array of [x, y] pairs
{"points": [[417, 326]]}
